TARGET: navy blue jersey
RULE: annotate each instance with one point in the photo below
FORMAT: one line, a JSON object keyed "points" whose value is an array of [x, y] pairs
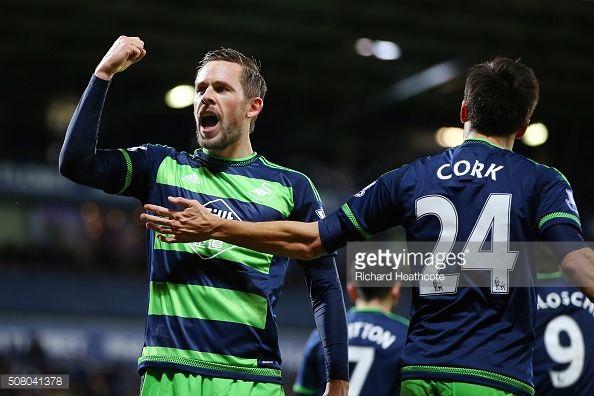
{"points": [[483, 201], [311, 379], [376, 340], [564, 350]]}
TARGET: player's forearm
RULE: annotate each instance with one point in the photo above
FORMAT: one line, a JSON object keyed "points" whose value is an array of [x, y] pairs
{"points": [[578, 266], [283, 238], [195, 223], [81, 137], [103, 75], [323, 283]]}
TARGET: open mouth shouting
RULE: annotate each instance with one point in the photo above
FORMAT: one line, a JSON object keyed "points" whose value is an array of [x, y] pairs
{"points": [[208, 120]]}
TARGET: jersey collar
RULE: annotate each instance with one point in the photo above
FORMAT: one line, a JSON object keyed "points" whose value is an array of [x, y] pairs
{"points": [[226, 161], [482, 141]]}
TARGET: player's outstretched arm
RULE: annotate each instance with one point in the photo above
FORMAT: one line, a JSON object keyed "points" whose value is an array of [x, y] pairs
{"points": [[578, 266], [124, 52], [195, 223]]}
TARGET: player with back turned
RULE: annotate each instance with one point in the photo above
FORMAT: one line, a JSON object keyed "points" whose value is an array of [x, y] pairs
{"points": [[376, 340], [210, 326], [564, 351]]}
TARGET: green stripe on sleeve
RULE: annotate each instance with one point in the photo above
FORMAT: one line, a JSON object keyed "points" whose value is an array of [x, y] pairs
{"points": [[353, 220], [209, 303], [557, 215], [128, 171]]}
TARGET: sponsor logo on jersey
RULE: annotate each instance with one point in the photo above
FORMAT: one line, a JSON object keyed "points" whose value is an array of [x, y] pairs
{"points": [[212, 248], [262, 193], [191, 178], [220, 208]]}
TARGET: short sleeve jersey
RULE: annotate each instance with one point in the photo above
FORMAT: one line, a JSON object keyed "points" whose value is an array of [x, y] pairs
{"points": [[481, 200], [564, 350]]}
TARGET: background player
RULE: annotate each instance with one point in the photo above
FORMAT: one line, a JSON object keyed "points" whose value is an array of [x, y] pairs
{"points": [[210, 325], [376, 340], [564, 350]]}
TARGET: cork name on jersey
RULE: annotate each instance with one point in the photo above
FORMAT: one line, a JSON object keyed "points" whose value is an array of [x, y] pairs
{"points": [[464, 167], [371, 332]]}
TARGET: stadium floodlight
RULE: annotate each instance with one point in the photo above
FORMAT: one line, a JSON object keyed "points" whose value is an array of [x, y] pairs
{"points": [[535, 135], [180, 96]]}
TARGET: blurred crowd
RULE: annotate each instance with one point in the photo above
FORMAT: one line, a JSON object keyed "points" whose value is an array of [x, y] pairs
{"points": [[86, 378]]}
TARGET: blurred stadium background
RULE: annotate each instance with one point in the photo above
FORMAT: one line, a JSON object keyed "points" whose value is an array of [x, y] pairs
{"points": [[355, 89]]}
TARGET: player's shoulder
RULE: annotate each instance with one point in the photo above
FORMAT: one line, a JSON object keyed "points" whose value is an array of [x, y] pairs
{"points": [[399, 320], [547, 172], [163, 157], [528, 168], [552, 280], [283, 174], [377, 315], [281, 169], [395, 323], [158, 150]]}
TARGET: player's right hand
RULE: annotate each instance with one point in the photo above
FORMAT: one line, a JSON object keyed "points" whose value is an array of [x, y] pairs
{"points": [[124, 52], [192, 223]]}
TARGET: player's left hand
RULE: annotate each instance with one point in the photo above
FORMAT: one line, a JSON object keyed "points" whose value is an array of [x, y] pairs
{"points": [[193, 223]]}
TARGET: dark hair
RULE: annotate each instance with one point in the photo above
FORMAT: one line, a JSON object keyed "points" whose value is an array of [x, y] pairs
{"points": [[372, 293], [500, 96], [251, 80]]}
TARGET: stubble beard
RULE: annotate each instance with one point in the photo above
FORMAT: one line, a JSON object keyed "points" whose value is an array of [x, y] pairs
{"points": [[228, 136]]}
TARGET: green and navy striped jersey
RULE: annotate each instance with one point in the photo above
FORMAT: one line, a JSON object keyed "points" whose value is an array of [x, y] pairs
{"points": [[484, 201], [210, 308]]}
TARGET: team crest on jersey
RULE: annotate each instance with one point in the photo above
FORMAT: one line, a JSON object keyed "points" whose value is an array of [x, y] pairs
{"points": [[262, 193], [212, 248], [362, 192], [570, 201]]}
